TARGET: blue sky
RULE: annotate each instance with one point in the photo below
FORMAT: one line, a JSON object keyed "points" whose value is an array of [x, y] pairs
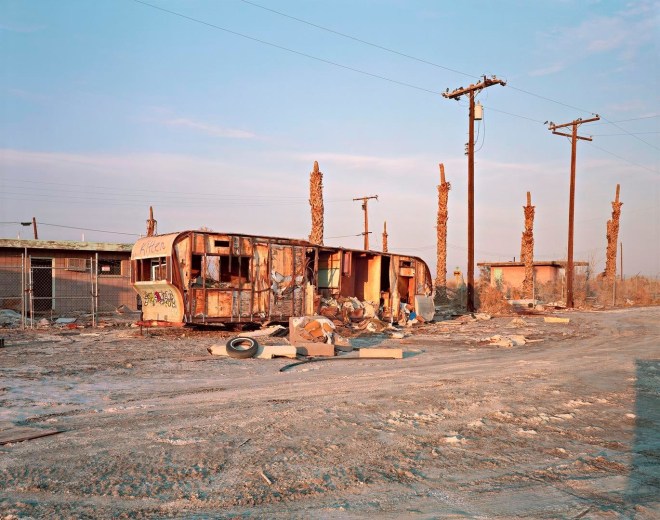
{"points": [[107, 107]]}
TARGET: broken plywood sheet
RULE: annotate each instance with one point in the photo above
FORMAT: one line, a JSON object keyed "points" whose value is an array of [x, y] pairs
{"points": [[22, 433], [424, 307]]}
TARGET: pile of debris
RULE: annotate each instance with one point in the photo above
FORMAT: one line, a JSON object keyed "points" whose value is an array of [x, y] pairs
{"points": [[10, 318]]}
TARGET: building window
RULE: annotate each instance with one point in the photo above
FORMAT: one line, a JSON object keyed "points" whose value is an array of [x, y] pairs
{"points": [[109, 267]]}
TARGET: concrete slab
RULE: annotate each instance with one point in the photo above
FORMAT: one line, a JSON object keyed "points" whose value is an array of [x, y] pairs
{"points": [[315, 349], [392, 353]]}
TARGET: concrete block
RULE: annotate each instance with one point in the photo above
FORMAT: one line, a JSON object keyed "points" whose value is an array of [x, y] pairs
{"points": [[218, 350], [271, 351], [393, 353], [315, 349]]}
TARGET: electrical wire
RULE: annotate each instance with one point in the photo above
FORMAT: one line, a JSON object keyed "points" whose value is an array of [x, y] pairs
{"points": [[299, 53], [634, 133], [88, 229], [344, 35], [437, 65], [132, 191], [624, 159], [323, 60], [627, 120], [73, 227]]}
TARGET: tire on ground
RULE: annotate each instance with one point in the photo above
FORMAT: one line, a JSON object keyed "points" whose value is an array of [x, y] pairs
{"points": [[242, 348]]}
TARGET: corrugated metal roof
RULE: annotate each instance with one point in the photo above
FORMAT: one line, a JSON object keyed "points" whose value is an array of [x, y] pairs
{"points": [[65, 245]]}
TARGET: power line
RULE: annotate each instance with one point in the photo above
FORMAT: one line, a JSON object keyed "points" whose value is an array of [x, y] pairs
{"points": [[77, 228], [634, 133], [264, 42], [626, 120], [88, 229], [624, 159], [149, 191], [631, 134], [433, 64], [323, 60], [344, 35]]}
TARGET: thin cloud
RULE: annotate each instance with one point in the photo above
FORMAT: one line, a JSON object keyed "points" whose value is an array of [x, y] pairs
{"points": [[213, 130], [624, 34]]}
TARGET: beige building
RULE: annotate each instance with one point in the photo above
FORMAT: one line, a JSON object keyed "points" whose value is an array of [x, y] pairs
{"points": [[512, 274]]}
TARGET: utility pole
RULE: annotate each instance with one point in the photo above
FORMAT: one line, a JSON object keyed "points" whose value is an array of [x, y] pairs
{"points": [[385, 237], [456, 94], [365, 201], [34, 228], [571, 204]]}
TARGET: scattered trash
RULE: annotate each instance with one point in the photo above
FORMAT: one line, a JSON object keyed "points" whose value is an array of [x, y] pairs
{"points": [[515, 340], [482, 316], [311, 329], [263, 475], [64, 321], [9, 318], [268, 331], [518, 322]]}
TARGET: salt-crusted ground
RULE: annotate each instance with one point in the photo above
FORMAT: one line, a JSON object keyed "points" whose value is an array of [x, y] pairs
{"points": [[565, 427]]}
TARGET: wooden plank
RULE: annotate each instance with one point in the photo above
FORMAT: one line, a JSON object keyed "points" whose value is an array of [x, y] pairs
{"points": [[20, 434]]}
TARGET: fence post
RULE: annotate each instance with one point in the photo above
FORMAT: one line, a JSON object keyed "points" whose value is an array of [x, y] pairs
{"points": [[96, 290], [28, 266], [23, 280]]}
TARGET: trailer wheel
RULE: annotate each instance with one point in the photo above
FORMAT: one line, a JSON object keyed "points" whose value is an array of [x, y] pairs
{"points": [[242, 348]]}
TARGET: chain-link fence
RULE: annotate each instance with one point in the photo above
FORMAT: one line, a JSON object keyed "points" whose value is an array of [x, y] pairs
{"points": [[33, 288], [12, 284], [61, 287]]}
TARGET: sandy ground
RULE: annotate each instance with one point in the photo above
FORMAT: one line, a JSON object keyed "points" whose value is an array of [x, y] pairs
{"points": [[567, 426]]}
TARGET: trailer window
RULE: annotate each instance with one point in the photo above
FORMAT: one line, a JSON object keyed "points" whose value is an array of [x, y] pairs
{"points": [[234, 269], [225, 270], [158, 269]]}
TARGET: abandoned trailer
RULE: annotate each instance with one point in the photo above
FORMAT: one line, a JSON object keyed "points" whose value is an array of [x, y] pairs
{"points": [[207, 277]]}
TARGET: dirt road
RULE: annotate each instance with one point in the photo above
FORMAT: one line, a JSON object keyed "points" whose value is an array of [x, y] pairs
{"points": [[565, 426]]}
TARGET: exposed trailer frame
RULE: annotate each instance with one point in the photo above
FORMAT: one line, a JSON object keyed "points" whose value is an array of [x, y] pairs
{"points": [[206, 277]]}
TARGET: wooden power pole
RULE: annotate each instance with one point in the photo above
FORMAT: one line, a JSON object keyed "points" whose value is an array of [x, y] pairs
{"points": [[365, 201], [34, 228], [571, 200], [456, 94], [385, 237]]}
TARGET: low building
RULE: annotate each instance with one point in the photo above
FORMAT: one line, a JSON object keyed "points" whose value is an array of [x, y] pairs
{"points": [[42, 277], [512, 274]]}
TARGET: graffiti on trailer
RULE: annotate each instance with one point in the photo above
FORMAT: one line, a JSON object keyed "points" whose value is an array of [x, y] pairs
{"points": [[164, 298], [152, 246]]}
